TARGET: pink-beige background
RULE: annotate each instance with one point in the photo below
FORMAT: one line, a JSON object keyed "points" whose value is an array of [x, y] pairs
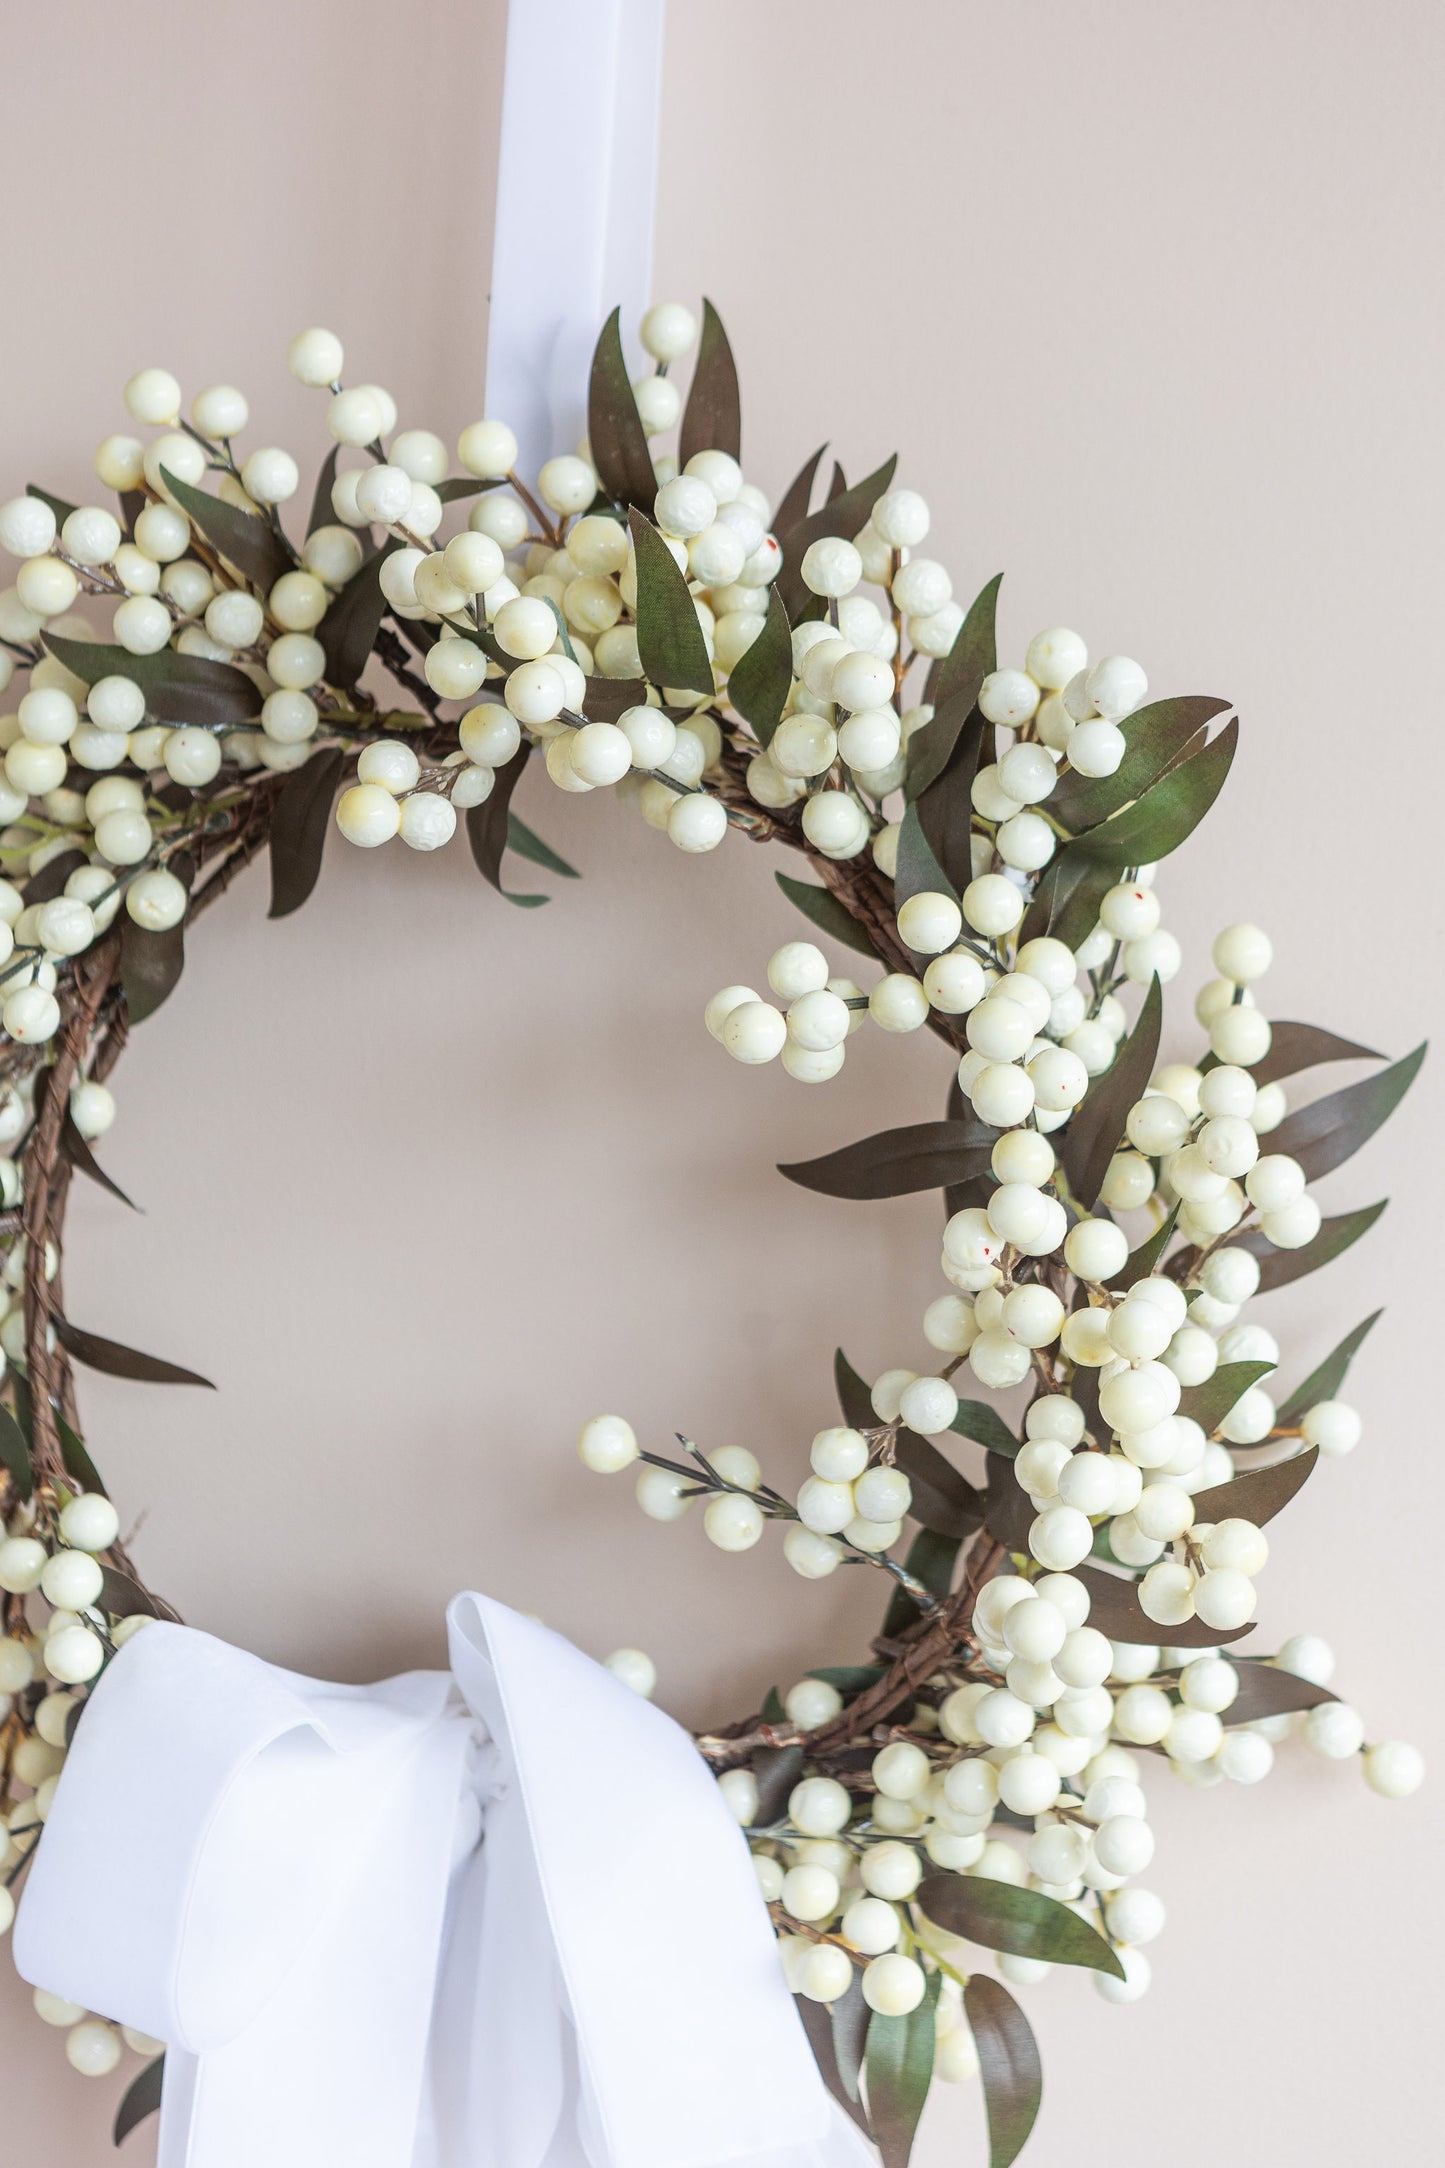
{"points": [[1147, 300]]}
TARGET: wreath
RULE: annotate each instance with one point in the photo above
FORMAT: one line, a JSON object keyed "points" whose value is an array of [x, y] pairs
{"points": [[985, 837]]}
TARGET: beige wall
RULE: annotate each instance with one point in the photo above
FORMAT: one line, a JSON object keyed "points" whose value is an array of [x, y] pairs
{"points": [[1146, 297]]}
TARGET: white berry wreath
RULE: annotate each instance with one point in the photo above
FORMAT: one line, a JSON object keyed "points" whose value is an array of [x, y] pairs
{"points": [[986, 838]]}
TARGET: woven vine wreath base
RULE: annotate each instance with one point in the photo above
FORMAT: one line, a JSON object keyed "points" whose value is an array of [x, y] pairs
{"points": [[985, 837]]}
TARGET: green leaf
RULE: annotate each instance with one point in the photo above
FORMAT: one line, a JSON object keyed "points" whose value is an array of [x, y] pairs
{"points": [[827, 914], [1008, 2065], [1008, 1510], [468, 485], [776, 1769], [762, 677], [976, 1420], [850, 2042], [78, 1152], [323, 512], [118, 1361], [898, 2069], [1324, 1383], [931, 749], [150, 966], [972, 658], [1259, 1495], [607, 698], [142, 2099], [1155, 739], [793, 506], [1209, 1403], [918, 870], [669, 637], [854, 1398], [1096, 1127], [526, 845], [931, 1559], [78, 1463], [849, 1679], [712, 418], [615, 435], [1265, 1690], [53, 875], [58, 505], [1324, 1135], [943, 1500], [489, 828], [896, 1162], [1114, 1607], [1020, 1922], [1141, 1263], [1066, 901], [348, 630], [300, 820], [845, 516], [1293, 1047], [1278, 1267], [15, 1455], [1168, 812], [248, 542], [177, 688], [123, 1597], [823, 2025]]}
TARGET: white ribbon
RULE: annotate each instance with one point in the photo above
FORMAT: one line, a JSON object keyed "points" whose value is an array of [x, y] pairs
{"points": [[496, 1917]]}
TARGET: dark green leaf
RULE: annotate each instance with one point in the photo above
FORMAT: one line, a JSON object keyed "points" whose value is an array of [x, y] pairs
{"points": [[1140, 1263], [669, 637], [854, 1398], [898, 2069], [762, 677], [521, 840], [467, 485], [776, 1770], [918, 871], [931, 1559], [849, 1679], [1265, 1690], [1066, 902], [931, 748], [1324, 1383], [1096, 1127], [78, 1152], [53, 875], [820, 2023], [607, 698], [123, 1597], [177, 688], [1155, 737], [796, 497], [943, 1500], [1278, 1267], [846, 516], [976, 1420], [1257, 1496], [323, 512], [1209, 1403], [150, 965], [122, 1362], [615, 435], [15, 1455], [712, 418], [773, 1711], [78, 1463], [827, 913], [348, 630], [489, 827], [1020, 1922], [58, 505], [1008, 1510], [244, 539], [1293, 1047], [1114, 1607], [1008, 2066], [838, 481], [1168, 812], [300, 820], [850, 2040], [972, 657], [896, 1162], [142, 2098], [1324, 1135]]}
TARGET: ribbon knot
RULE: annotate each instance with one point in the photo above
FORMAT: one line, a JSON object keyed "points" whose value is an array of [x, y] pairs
{"points": [[495, 1917]]}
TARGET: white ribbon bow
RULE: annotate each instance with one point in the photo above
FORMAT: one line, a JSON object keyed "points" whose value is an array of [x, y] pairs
{"points": [[496, 1917]]}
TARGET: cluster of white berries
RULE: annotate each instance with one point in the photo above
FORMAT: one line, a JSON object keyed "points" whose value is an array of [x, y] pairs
{"points": [[55, 1643]]}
